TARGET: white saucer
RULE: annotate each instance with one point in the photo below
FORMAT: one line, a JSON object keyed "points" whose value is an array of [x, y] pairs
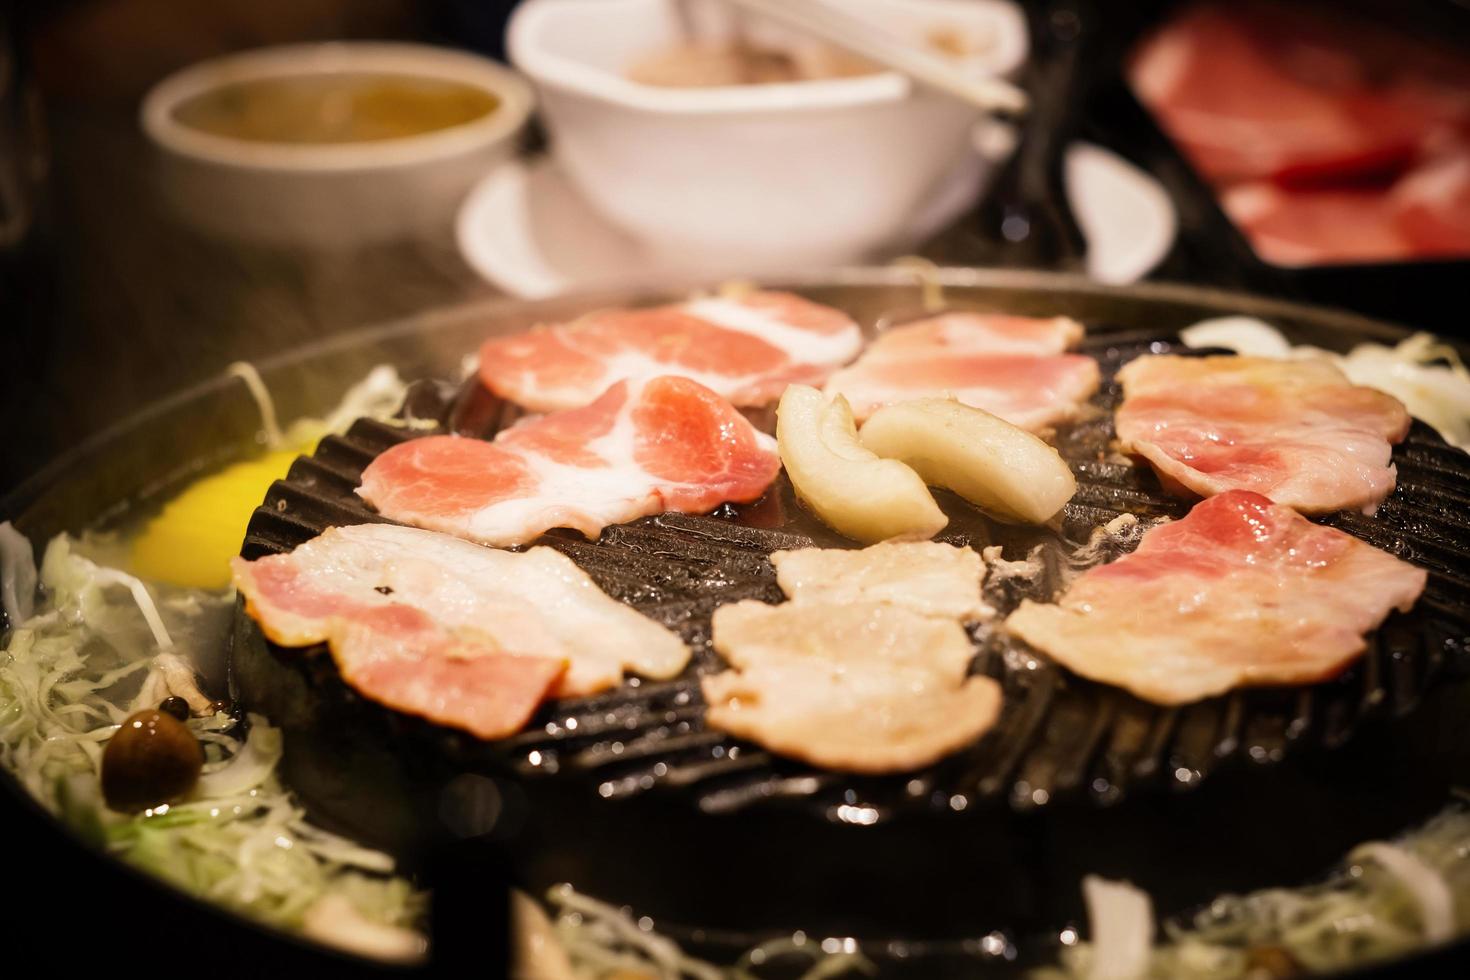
{"points": [[527, 229]]}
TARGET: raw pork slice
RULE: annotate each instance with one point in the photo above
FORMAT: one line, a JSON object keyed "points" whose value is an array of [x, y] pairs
{"points": [[861, 687], [1296, 431], [1241, 592], [747, 348], [461, 634], [1318, 226], [1256, 91], [646, 447], [924, 576], [1433, 204], [1331, 140], [1424, 215], [1010, 366]]}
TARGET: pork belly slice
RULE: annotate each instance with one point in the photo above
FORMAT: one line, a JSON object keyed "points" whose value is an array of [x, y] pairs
{"points": [[1242, 592], [646, 447], [1296, 431], [860, 687], [927, 577], [1010, 366], [746, 348], [463, 635], [454, 681]]}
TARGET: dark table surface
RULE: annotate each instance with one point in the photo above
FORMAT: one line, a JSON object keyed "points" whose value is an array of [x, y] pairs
{"points": [[106, 305], [109, 304], [116, 303]]}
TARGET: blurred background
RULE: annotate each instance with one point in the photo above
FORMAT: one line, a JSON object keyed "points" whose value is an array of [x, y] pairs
{"points": [[110, 299], [1313, 152], [184, 184]]}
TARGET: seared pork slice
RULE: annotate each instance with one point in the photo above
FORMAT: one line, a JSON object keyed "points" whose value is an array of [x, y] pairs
{"points": [[1242, 592], [924, 576], [464, 635], [1296, 431], [862, 687]]}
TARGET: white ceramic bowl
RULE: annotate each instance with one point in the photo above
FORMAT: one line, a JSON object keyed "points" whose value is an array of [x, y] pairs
{"points": [[814, 172], [331, 195]]}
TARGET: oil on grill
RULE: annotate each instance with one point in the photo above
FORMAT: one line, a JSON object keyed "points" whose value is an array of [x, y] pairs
{"points": [[1059, 736]]}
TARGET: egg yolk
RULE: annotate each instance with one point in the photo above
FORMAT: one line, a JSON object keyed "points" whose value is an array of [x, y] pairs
{"points": [[191, 541]]}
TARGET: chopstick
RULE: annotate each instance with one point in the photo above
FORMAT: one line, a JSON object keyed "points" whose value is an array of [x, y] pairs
{"points": [[858, 36]]}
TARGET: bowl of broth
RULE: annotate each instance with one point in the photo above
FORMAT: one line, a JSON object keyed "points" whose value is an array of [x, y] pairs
{"points": [[737, 142], [332, 144]]}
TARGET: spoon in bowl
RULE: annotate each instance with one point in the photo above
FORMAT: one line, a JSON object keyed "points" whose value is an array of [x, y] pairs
{"points": [[1024, 219], [827, 23]]}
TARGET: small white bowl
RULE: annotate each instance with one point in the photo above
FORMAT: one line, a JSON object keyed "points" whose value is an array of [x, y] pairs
{"points": [[813, 172], [331, 195]]}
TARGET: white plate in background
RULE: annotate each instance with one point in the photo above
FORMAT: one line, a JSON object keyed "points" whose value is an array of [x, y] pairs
{"points": [[1126, 216], [527, 230]]}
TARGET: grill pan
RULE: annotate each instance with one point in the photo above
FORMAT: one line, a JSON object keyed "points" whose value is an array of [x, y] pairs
{"points": [[1258, 787], [1059, 734]]}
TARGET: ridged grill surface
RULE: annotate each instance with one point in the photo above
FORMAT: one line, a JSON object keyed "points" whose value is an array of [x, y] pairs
{"points": [[1059, 737]]}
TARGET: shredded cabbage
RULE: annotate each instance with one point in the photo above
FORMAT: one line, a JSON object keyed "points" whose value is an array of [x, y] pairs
{"points": [[602, 940], [1387, 900], [536, 952], [252, 765], [17, 575], [1122, 928], [72, 671], [106, 644], [1437, 393], [335, 920], [254, 384], [170, 675], [378, 395], [931, 288], [1425, 885]]}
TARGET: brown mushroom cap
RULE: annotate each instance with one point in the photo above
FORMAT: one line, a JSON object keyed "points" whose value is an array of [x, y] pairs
{"points": [[153, 757]]}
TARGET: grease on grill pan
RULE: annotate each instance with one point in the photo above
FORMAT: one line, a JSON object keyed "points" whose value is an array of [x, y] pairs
{"points": [[1058, 735]]}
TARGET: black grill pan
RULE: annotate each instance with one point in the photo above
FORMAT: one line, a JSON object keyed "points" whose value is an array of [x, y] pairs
{"points": [[635, 771], [1059, 734]]}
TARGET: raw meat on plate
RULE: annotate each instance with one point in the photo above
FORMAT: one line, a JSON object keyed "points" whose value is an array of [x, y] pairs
{"points": [[1261, 91]]}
